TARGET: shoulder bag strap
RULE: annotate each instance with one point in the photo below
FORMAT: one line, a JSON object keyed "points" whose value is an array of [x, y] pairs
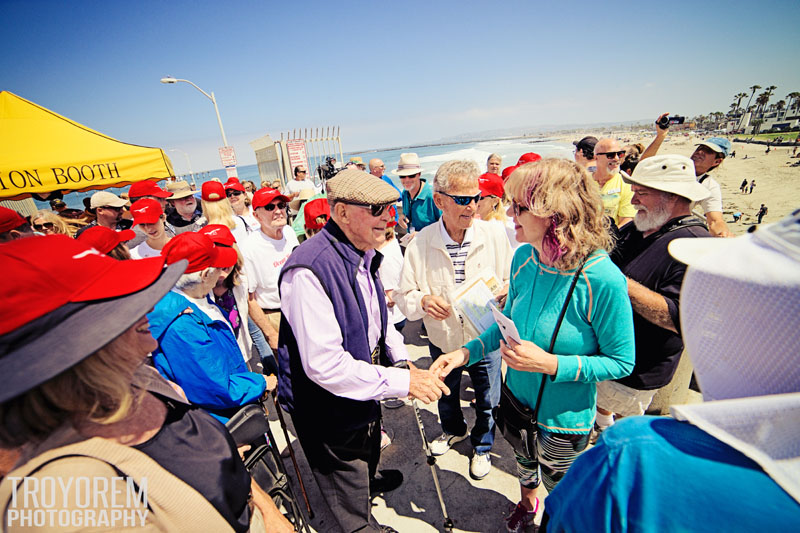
{"points": [[555, 334]]}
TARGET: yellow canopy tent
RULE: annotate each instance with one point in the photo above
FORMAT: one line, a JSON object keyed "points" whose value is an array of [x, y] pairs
{"points": [[41, 151]]}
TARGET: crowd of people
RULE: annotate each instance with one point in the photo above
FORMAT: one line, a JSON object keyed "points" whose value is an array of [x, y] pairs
{"points": [[129, 341]]}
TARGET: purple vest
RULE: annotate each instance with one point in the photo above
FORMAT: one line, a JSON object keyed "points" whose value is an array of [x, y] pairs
{"points": [[334, 261]]}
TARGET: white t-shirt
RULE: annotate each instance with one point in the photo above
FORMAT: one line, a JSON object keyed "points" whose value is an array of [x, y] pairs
{"points": [[212, 311], [295, 186], [143, 250], [263, 259], [714, 201], [389, 272]]}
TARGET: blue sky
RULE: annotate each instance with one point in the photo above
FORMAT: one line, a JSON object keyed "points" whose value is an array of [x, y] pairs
{"points": [[387, 73]]}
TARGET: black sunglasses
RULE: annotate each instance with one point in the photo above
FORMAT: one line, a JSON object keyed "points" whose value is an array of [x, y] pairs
{"points": [[463, 200], [611, 155], [113, 207], [272, 207], [374, 210], [232, 192], [46, 225], [518, 209]]}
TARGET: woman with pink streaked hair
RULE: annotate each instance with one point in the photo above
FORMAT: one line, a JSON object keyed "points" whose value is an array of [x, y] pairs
{"points": [[563, 269]]}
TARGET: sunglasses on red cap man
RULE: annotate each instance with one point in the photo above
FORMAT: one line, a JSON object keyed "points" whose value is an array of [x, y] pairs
{"points": [[200, 251], [105, 239], [263, 197], [218, 233], [147, 188], [146, 211], [67, 301]]}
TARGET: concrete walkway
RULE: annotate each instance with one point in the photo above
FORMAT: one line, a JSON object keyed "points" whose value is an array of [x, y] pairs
{"points": [[473, 505]]}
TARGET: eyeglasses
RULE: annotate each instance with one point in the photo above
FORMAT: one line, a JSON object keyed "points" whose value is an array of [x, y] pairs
{"points": [[42, 227], [233, 192], [463, 200], [518, 209], [302, 172], [272, 207], [612, 155], [374, 210]]}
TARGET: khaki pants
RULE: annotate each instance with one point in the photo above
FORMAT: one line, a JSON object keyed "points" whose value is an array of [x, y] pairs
{"points": [[274, 317]]}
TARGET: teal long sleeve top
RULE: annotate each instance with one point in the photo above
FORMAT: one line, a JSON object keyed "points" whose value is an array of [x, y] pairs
{"points": [[595, 342]]}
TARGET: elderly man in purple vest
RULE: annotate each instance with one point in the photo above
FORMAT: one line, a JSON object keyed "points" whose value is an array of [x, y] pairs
{"points": [[334, 346]]}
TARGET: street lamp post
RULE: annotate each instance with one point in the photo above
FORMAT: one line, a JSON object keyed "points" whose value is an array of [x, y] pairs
{"points": [[171, 80], [188, 163]]}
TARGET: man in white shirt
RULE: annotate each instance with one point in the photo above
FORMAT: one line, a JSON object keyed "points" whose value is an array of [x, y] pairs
{"points": [[300, 182], [265, 252]]}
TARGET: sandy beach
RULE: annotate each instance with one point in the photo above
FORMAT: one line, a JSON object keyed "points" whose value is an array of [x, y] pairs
{"points": [[777, 184]]}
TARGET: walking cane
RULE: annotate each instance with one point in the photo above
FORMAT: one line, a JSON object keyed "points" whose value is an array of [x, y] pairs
{"points": [[431, 460], [291, 453], [448, 523]]}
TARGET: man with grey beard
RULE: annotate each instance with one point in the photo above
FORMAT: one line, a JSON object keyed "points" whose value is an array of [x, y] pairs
{"points": [[664, 188]]}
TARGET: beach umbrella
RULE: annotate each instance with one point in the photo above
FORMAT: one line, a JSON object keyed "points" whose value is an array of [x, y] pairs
{"points": [[41, 152]]}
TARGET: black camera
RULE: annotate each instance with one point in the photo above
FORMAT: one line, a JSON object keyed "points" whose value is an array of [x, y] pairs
{"points": [[326, 170], [666, 121]]}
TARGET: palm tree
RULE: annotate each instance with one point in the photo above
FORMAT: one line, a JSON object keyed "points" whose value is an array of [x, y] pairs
{"points": [[769, 91], [739, 97], [762, 100], [754, 88]]}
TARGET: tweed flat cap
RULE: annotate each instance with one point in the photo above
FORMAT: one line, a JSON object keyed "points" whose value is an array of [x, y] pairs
{"points": [[357, 187]]}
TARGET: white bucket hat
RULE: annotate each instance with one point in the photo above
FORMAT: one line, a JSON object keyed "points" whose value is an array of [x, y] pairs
{"points": [[408, 165], [740, 320], [669, 173]]}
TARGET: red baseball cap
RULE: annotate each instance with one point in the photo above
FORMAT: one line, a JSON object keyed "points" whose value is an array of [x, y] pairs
{"points": [[10, 219], [233, 183], [266, 195], [213, 191], [316, 208], [530, 157], [507, 172], [393, 213], [67, 301], [105, 239], [147, 188], [491, 185], [219, 234], [146, 211], [199, 250]]}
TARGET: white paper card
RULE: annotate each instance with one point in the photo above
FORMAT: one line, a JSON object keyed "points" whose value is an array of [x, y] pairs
{"points": [[507, 327]]}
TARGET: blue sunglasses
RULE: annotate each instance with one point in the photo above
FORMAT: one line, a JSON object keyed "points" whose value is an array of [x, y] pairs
{"points": [[463, 200]]}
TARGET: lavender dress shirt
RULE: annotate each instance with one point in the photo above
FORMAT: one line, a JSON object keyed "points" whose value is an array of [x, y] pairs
{"points": [[326, 363]]}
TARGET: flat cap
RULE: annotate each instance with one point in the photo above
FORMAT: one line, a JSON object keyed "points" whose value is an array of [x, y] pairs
{"points": [[357, 187]]}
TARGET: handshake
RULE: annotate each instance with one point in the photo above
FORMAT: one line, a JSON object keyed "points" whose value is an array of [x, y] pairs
{"points": [[427, 385]]}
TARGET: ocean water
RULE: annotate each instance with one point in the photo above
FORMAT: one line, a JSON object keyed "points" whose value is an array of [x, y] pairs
{"points": [[430, 159]]}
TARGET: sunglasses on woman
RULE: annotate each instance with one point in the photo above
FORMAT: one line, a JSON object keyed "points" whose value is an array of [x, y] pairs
{"points": [[518, 209], [42, 227], [233, 193], [272, 207], [463, 200], [374, 210]]}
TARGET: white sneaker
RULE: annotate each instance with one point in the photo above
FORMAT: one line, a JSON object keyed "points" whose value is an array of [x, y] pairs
{"points": [[480, 465], [445, 441]]}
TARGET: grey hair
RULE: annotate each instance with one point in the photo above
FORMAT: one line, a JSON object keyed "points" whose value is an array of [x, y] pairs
{"points": [[465, 170], [188, 281], [494, 156]]}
